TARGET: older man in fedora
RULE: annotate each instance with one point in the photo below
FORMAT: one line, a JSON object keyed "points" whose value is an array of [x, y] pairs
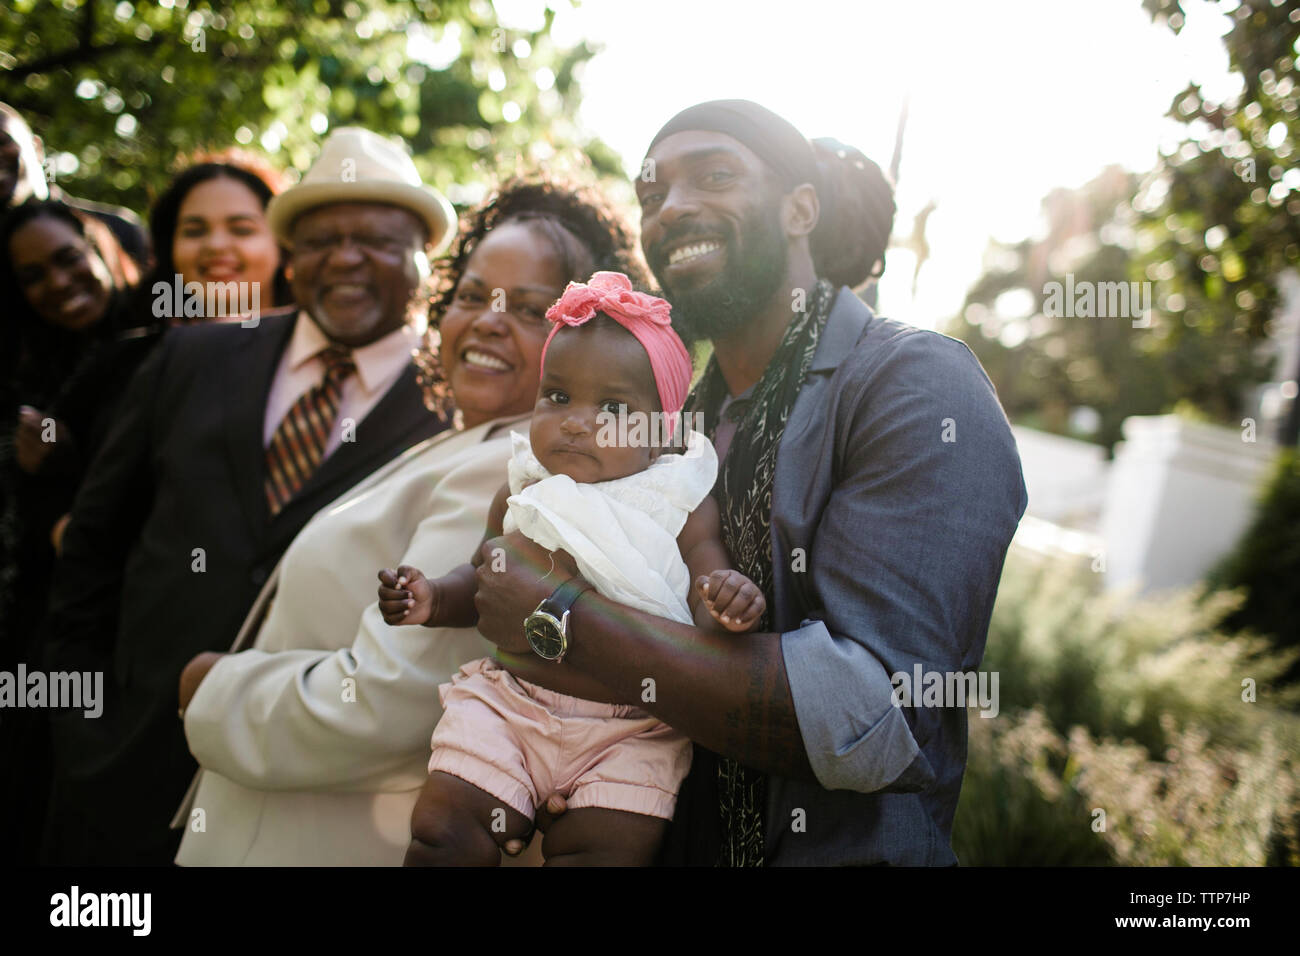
{"points": [[231, 437]]}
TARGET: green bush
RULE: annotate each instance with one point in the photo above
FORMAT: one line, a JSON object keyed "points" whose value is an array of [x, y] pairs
{"points": [[1140, 709], [1199, 806], [1114, 664], [1266, 562], [1015, 810]]}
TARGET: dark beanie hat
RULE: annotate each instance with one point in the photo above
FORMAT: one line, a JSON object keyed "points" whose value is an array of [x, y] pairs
{"points": [[772, 139]]}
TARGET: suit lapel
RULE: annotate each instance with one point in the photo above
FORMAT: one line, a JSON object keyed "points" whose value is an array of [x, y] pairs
{"points": [[398, 412], [803, 443], [256, 357], [397, 421], [848, 319]]}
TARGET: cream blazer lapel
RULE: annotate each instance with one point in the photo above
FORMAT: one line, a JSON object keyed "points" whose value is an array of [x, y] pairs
{"points": [[252, 625]]}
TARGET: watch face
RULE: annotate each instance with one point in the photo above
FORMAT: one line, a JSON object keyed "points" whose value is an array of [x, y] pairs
{"points": [[544, 635]]}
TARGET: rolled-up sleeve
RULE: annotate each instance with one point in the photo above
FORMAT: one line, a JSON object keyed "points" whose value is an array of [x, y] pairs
{"points": [[862, 743], [904, 564]]}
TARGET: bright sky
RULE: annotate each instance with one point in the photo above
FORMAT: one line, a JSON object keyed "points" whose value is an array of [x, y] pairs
{"points": [[1010, 98]]}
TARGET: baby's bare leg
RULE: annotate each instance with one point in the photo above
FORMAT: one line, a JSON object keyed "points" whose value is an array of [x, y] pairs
{"points": [[594, 836], [458, 824]]}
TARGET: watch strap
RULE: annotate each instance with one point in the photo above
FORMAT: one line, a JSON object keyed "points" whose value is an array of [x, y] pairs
{"points": [[564, 596]]}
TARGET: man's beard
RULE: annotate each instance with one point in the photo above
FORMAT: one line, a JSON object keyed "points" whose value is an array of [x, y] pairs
{"points": [[756, 267]]}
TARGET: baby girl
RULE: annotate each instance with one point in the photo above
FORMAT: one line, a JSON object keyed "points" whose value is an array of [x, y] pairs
{"points": [[641, 527]]}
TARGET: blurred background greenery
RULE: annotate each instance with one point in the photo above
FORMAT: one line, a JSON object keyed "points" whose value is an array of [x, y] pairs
{"points": [[120, 90], [1132, 732], [1213, 226]]}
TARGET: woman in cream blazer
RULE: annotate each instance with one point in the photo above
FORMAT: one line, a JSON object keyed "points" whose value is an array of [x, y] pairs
{"points": [[314, 742]]}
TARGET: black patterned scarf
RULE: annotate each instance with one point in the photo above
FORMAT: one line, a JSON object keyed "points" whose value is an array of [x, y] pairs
{"points": [[744, 495]]}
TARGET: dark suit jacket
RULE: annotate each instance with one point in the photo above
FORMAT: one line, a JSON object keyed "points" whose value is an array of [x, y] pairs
{"points": [[170, 541]]}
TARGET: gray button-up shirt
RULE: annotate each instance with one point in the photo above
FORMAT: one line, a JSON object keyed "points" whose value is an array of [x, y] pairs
{"points": [[897, 490]]}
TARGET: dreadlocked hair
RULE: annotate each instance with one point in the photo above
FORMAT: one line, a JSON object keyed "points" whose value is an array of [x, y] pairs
{"points": [[588, 236], [857, 215]]}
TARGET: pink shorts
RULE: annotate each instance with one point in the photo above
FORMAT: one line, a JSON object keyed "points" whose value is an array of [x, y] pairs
{"points": [[521, 743]]}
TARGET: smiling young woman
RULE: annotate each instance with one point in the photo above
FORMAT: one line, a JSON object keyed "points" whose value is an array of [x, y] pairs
{"points": [[65, 359], [66, 282], [59, 261], [209, 226]]}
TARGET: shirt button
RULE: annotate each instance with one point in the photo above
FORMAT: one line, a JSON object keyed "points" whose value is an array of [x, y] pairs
{"points": [[258, 576]]}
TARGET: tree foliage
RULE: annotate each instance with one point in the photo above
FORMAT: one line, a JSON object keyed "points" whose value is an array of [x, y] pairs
{"points": [[1045, 364], [127, 88], [1211, 228], [1220, 214]]}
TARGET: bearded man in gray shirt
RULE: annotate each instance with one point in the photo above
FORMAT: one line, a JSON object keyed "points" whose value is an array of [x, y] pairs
{"points": [[870, 484]]}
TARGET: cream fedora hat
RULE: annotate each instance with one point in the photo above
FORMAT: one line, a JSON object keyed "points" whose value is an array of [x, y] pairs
{"points": [[356, 165]]}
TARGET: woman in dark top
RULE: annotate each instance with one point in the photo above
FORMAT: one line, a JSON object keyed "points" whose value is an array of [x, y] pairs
{"points": [[69, 345]]}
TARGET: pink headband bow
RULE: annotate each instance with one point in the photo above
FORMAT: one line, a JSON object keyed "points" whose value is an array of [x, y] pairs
{"points": [[645, 316]]}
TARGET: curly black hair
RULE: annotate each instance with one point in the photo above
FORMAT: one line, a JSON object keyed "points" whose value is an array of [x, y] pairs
{"points": [[585, 231]]}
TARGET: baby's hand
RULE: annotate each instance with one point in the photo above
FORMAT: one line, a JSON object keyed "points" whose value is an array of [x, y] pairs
{"points": [[406, 596], [734, 601]]}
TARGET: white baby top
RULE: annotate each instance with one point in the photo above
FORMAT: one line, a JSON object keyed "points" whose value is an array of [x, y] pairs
{"points": [[622, 533]]}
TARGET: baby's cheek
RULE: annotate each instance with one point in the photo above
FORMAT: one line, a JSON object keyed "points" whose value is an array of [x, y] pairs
{"points": [[537, 431]]}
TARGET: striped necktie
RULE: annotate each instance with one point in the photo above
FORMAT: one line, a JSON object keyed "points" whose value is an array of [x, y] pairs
{"points": [[298, 445]]}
